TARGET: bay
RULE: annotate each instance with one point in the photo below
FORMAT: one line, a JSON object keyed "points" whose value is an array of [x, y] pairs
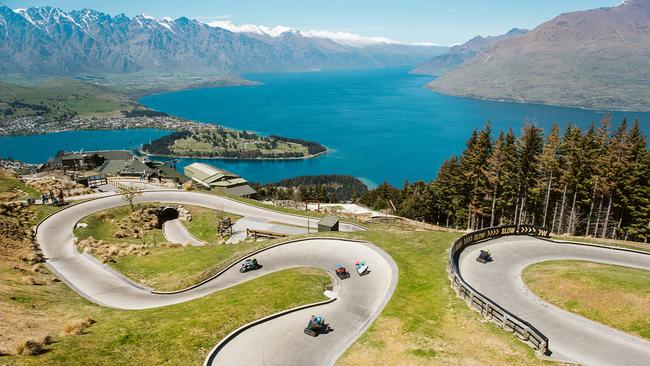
{"points": [[379, 124]]}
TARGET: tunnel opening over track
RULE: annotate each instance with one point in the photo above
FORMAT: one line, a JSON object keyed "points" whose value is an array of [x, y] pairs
{"points": [[165, 214]]}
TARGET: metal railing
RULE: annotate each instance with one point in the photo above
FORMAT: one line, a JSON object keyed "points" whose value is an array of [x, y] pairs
{"points": [[488, 308]]}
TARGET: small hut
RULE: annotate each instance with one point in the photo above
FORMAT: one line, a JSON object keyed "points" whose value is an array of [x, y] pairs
{"points": [[328, 223]]}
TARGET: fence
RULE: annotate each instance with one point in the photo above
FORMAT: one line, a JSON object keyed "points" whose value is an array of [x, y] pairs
{"points": [[488, 308], [264, 234]]}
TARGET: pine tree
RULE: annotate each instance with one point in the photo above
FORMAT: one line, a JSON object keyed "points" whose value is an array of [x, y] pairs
{"points": [[493, 174], [472, 161], [530, 147], [549, 165], [448, 192], [636, 186], [613, 163], [569, 165], [510, 179]]}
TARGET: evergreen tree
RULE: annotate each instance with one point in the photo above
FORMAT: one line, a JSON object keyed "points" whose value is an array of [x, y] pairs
{"points": [[637, 186], [549, 166], [615, 165], [591, 183], [510, 180], [493, 172], [473, 161], [530, 147]]}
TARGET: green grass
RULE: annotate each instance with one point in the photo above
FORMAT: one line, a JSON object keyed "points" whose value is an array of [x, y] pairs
{"points": [[425, 323], [173, 335], [63, 98], [176, 268], [609, 242], [101, 228], [613, 295], [12, 188], [42, 211], [204, 224]]}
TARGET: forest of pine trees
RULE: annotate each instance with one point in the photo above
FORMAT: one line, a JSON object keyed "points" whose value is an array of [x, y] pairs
{"points": [[575, 182]]}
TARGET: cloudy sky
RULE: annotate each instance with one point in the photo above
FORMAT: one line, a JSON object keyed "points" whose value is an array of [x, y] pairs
{"points": [[441, 22]]}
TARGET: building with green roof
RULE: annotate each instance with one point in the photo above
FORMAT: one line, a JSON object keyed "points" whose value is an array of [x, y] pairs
{"points": [[218, 179]]}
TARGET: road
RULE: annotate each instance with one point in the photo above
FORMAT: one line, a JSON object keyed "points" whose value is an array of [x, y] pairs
{"points": [[571, 337], [276, 342]]}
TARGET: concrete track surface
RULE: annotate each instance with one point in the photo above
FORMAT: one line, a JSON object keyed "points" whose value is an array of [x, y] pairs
{"points": [[175, 232], [571, 337], [275, 342]]}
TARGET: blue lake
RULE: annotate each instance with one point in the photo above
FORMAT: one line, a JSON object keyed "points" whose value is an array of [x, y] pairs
{"points": [[39, 148], [379, 124]]}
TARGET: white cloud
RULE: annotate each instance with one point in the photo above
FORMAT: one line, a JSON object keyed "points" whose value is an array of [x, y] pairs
{"points": [[214, 17], [344, 38], [425, 44]]}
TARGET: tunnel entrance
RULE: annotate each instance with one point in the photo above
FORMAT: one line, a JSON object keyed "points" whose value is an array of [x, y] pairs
{"points": [[165, 214]]}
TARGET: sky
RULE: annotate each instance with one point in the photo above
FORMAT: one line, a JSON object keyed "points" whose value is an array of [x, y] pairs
{"points": [[440, 22]]}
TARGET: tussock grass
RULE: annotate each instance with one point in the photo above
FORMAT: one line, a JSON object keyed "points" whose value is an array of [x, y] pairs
{"points": [[29, 347], [77, 327]]}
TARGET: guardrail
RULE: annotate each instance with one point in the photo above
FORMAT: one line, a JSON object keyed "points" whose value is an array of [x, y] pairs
{"points": [[488, 308]]}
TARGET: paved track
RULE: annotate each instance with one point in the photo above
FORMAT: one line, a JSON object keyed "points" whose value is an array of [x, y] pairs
{"points": [[571, 337], [175, 232], [276, 342]]}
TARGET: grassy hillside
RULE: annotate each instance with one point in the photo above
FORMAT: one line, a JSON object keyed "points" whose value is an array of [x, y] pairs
{"points": [[423, 324], [12, 188], [60, 99]]}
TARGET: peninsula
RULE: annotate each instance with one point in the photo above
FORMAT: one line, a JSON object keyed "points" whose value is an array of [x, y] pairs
{"points": [[66, 104], [211, 141]]}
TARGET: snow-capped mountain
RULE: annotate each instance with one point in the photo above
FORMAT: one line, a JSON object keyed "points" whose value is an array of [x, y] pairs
{"points": [[344, 38], [47, 40]]}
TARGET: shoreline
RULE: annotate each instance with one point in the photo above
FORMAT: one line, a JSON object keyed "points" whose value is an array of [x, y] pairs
{"points": [[230, 158], [153, 122], [515, 101]]}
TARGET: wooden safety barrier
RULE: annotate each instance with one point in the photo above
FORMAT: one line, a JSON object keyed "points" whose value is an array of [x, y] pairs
{"points": [[264, 234], [479, 302]]}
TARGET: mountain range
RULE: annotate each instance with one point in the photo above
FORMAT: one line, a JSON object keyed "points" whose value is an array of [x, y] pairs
{"points": [[458, 54], [50, 41], [597, 59]]}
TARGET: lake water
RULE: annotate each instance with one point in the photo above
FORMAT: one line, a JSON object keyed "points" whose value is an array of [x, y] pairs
{"points": [[379, 124]]}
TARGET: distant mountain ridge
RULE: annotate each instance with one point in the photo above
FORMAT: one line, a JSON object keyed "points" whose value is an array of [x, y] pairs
{"points": [[47, 40], [596, 59], [457, 55]]}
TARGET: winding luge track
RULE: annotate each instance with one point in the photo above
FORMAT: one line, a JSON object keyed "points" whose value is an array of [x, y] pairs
{"points": [[175, 232], [571, 337], [278, 341]]}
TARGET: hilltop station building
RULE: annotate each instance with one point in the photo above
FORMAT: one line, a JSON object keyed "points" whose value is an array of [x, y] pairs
{"points": [[219, 180], [113, 163]]}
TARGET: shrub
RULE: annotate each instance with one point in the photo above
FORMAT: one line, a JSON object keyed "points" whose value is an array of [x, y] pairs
{"points": [[77, 328], [29, 280], [28, 348]]}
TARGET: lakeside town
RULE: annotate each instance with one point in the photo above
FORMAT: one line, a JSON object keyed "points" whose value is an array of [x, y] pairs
{"points": [[34, 125]]}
